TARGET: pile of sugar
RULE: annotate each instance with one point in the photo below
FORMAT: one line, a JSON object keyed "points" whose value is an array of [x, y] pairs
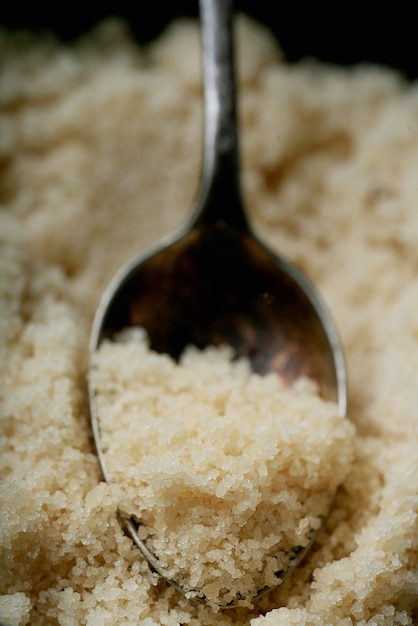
{"points": [[230, 473], [100, 146]]}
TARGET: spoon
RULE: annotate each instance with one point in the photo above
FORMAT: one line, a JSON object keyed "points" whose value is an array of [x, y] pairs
{"points": [[213, 281]]}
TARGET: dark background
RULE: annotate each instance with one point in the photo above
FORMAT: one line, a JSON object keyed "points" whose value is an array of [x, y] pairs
{"points": [[340, 33]]}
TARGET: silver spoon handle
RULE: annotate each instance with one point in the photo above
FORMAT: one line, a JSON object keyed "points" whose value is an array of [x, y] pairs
{"points": [[220, 198]]}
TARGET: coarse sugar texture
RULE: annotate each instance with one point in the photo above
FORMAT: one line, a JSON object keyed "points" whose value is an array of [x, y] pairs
{"points": [[100, 145], [229, 473]]}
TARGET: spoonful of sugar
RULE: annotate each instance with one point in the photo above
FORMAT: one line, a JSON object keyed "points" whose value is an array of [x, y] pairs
{"points": [[217, 383]]}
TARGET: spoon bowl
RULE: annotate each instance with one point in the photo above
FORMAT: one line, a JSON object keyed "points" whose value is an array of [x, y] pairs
{"points": [[213, 282]]}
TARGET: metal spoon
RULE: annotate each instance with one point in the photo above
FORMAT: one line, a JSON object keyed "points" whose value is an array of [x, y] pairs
{"points": [[213, 281]]}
